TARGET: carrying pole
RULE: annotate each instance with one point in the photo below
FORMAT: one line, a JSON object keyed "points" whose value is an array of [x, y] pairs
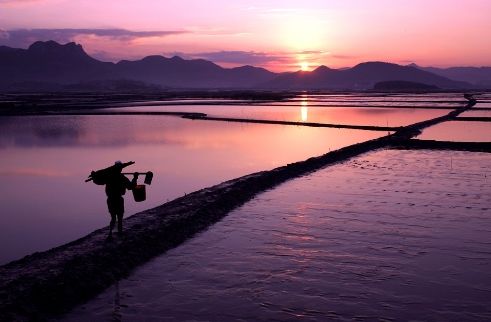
{"points": [[148, 176]]}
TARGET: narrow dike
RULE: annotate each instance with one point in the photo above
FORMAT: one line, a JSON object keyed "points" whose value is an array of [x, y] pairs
{"points": [[49, 283], [204, 117]]}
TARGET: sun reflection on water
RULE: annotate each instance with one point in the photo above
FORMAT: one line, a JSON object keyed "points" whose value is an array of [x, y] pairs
{"points": [[304, 109]]}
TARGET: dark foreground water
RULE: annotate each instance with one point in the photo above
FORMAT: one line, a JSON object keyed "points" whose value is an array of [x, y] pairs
{"points": [[389, 236]]}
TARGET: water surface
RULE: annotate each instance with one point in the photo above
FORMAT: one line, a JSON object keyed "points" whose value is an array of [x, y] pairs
{"points": [[458, 131], [45, 160], [302, 113], [391, 235], [483, 105], [476, 113]]}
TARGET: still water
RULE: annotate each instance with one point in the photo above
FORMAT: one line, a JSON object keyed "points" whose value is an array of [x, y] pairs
{"points": [[477, 113], [45, 160], [446, 99], [388, 236], [458, 131], [486, 105], [303, 112]]}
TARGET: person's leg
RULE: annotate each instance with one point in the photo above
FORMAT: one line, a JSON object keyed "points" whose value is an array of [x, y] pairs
{"points": [[111, 224], [120, 223], [112, 211], [120, 215]]}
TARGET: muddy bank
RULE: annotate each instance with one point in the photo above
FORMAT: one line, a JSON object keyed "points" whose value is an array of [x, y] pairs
{"points": [[189, 115], [51, 282], [473, 118], [415, 144], [204, 117]]}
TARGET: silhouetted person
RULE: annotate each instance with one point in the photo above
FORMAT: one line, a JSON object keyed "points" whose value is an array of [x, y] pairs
{"points": [[116, 186]]}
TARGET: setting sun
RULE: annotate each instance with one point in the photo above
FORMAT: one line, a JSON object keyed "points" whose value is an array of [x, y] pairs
{"points": [[304, 66]]}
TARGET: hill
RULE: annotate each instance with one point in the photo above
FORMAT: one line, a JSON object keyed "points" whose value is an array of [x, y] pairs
{"points": [[479, 76], [51, 65], [403, 86], [361, 77]]}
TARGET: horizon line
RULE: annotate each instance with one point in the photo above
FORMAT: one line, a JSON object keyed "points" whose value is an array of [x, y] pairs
{"points": [[410, 64]]}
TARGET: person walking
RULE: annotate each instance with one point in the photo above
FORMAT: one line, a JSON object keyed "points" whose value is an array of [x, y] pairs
{"points": [[116, 186]]}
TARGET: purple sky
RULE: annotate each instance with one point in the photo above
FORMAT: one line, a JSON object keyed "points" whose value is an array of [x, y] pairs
{"points": [[279, 35]]}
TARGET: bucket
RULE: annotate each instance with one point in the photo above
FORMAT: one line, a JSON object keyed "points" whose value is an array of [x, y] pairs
{"points": [[139, 193]]}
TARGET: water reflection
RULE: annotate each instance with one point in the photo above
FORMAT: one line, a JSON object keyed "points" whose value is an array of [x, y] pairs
{"points": [[476, 113], [482, 105], [45, 160], [458, 131], [316, 114], [304, 110]]}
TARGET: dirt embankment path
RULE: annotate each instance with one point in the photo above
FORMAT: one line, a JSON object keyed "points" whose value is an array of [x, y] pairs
{"points": [[48, 283]]}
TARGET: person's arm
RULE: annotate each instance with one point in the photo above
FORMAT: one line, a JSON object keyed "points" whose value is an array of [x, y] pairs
{"points": [[133, 182], [127, 184]]}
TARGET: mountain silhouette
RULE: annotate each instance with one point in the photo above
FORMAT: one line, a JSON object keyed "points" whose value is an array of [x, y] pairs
{"points": [[362, 76], [196, 73], [50, 65], [50, 62], [403, 86], [480, 76]]}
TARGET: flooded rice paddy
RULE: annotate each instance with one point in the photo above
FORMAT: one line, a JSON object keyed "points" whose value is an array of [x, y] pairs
{"points": [[390, 235], [458, 131], [45, 160], [304, 113], [477, 113]]}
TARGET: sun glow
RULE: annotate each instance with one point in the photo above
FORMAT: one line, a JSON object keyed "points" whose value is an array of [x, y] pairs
{"points": [[304, 66]]}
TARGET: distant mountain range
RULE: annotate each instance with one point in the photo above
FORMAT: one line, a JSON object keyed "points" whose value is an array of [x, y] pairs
{"points": [[480, 76], [46, 63], [362, 76], [396, 86], [49, 65]]}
